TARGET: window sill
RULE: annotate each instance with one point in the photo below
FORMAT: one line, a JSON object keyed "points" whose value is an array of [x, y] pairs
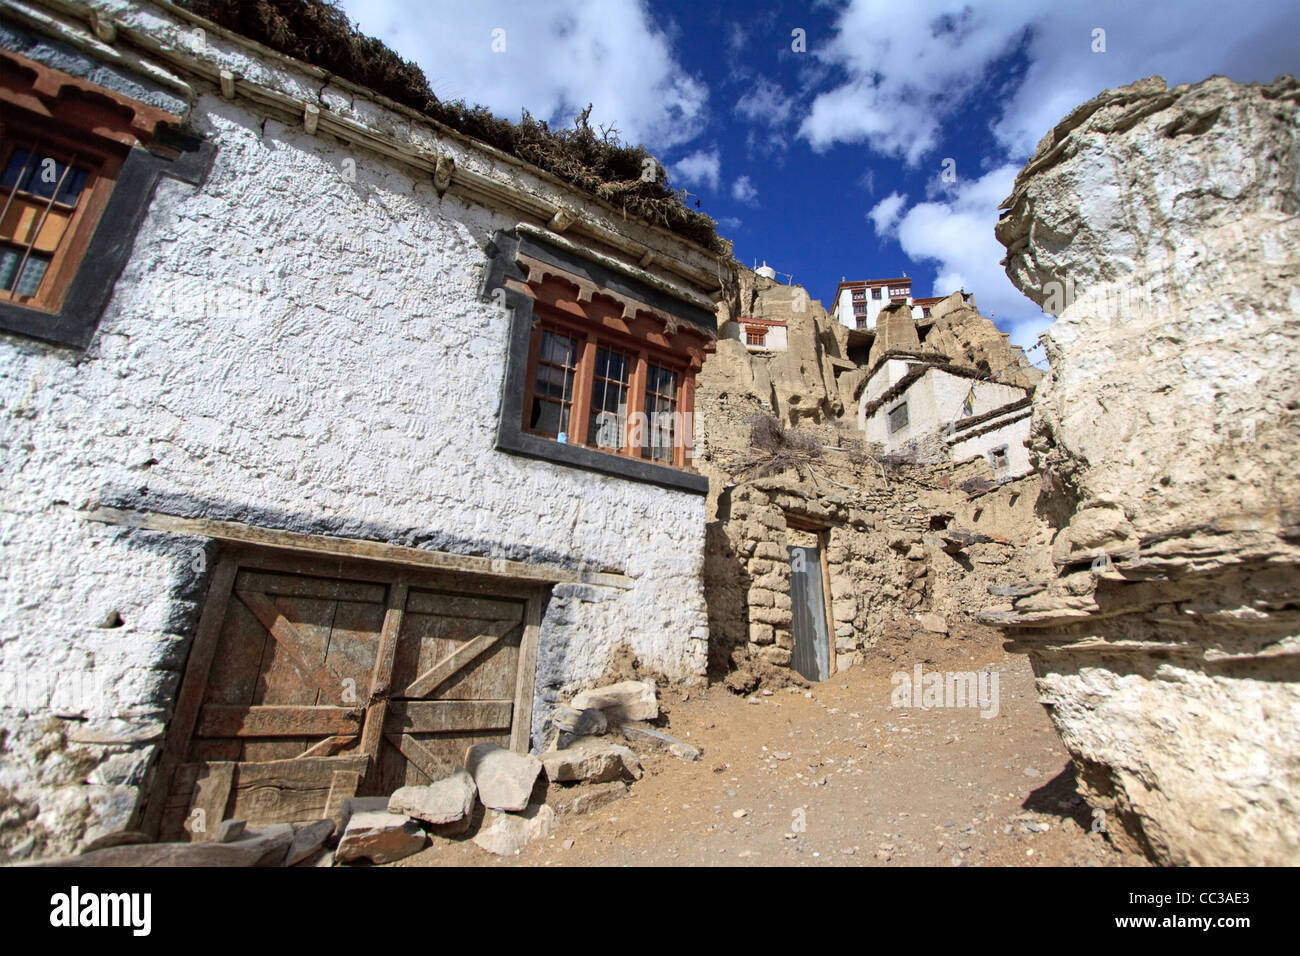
{"points": [[519, 442]]}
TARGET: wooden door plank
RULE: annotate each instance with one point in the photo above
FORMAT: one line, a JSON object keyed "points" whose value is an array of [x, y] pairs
{"points": [[429, 764], [327, 747], [212, 793], [442, 716], [521, 727], [343, 786], [438, 674], [221, 720], [823, 542], [381, 678], [310, 586], [287, 636], [423, 601], [295, 772], [190, 698]]}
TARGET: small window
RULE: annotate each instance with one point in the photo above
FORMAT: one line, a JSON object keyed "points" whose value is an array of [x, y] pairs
{"points": [[998, 458], [553, 388], [925, 313], [859, 295], [875, 293], [898, 417], [859, 308], [659, 437], [48, 207], [755, 335], [899, 291], [862, 321]]}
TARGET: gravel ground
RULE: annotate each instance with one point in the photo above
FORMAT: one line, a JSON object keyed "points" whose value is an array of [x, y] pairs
{"points": [[837, 776]]}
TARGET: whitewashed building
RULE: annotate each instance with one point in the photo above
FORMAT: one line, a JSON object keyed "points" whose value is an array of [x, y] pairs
{"points": [[919, 402], [760, 335], [857, 303], [319, 434]]}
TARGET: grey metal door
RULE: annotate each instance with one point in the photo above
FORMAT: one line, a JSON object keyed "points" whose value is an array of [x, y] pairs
{"points": [[811, 642]]}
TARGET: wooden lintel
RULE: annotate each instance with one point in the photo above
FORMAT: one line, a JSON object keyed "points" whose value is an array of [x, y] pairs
{"points": [[355, 548]]}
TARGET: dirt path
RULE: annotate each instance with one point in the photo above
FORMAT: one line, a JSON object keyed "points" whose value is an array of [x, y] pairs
{"points": [[837, 776]]}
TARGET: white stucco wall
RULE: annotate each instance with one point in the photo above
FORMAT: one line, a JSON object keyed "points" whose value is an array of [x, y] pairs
{"points": [[843, 308], [933, 400], [285, 341], [1013, 434]]}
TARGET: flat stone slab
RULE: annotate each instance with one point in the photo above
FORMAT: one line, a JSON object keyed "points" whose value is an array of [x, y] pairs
{"points": [[505, 834], [504, 778], [380, 837], [627, 700], [307, 839], [934, 623], [263, 847], [651, 739], [573, 799], [449, 800], [580, 723], [591, 764]]}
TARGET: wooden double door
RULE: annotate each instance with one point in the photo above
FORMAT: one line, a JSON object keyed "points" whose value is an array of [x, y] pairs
{"points": [[312, 681]]}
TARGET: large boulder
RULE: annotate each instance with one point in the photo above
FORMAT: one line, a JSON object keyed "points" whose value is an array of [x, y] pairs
{"points": [[1161, 226]]}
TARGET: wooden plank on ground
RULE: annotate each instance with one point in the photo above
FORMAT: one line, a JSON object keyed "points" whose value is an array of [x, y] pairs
{"points": [[343, 786], [211, 794], [521, 728]]}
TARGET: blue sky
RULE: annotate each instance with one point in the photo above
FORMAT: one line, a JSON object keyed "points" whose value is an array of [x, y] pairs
{"points": [[829, 161]]}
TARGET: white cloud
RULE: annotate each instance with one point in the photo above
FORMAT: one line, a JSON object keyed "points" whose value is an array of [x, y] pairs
{"points": [[884, 214], [906, 76], [766, 104], [742, 190], [955, 235], [906, 79], [700, 168], [559, 56]]}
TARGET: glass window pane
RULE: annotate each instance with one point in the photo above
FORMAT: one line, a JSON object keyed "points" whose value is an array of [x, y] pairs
{"points": [[14, 167], [9, 259], [32, 273], [72, 186]]}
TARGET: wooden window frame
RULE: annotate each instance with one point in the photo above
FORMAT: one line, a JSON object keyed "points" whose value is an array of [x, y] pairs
{"points": [[889, 418], [136, 144], [641, 354], [756, 335], [104, 161]]}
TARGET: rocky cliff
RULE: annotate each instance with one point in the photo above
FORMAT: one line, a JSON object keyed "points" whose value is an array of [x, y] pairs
{"points": [[1161, 226]]}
